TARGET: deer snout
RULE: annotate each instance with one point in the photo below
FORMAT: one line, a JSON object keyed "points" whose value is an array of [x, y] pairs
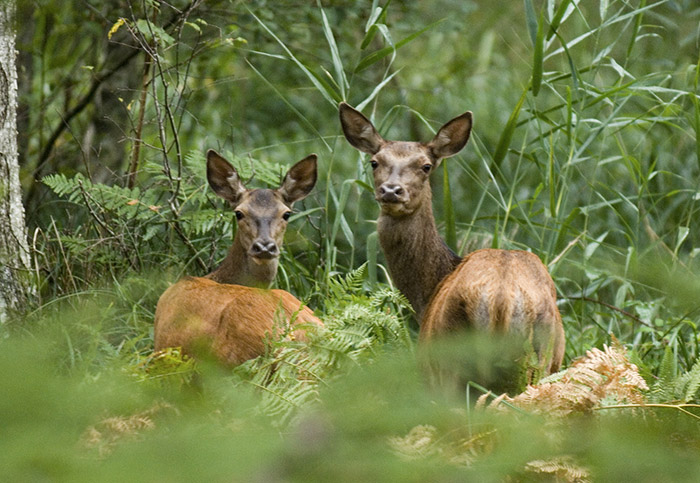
{"points": [[264, 249], [390, 193]]}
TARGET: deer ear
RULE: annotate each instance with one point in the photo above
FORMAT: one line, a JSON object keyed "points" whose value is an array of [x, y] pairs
{"points": [[223, 178], [299, 180], [451, 137], [358, 130]]}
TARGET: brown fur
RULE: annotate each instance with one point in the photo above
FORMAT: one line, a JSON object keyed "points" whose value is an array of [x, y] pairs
{"points": [[229, 312], [501, 291], [230, 321]]}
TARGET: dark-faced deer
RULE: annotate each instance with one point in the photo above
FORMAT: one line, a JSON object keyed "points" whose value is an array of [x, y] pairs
{"points": [[502, 291], [230, 312]]}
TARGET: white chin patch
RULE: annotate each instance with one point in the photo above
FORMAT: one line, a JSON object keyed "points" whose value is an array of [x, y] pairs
{"points": [[263, 261]]}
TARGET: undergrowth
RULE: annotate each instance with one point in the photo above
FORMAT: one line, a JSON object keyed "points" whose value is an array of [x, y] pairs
{"points": [[584, 151]]}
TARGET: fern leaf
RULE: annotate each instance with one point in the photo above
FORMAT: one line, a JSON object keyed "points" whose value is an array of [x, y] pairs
{"points": [[692, 382]]}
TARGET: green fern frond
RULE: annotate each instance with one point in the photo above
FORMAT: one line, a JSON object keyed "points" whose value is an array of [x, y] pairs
{"points": [[663, 389], [345, 288], [686, 385]]}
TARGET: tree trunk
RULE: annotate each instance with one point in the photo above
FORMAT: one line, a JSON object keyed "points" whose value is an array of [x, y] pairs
{"points": [[14, 250]]}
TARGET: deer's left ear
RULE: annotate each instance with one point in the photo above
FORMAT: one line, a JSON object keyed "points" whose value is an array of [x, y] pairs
{"points": [[299, 180], [451, 137]]}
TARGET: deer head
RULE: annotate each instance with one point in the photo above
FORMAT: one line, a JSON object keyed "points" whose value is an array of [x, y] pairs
{"points": [[401, 169], [262, 214]]}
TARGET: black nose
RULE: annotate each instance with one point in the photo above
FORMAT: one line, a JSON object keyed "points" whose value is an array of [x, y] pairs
{"points": [[264, 249], [390, 192]]}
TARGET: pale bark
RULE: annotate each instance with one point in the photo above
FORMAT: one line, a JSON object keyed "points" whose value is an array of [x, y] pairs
{"points": [[14, 250]]}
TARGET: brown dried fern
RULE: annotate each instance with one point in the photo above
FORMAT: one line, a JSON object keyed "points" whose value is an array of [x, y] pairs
{"points": [[104, 435], [599, 378], [561, 468]]}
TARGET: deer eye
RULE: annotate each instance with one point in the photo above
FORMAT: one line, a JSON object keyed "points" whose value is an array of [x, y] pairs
{"points": [[286, 215], [427, 167], [374, 164], [239, 214]]}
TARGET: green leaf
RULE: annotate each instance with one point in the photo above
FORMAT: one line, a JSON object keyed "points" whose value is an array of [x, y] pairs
{"points": [[308, 123], [372, 251], [507, 134], [376, 90], [339, 220], [325, 90], [371, 28], [558, 16], [375, 57], [369, 36], [450, 228], [153, 32], [335, 55], [552, 183], [537, 57], [531, 20]]}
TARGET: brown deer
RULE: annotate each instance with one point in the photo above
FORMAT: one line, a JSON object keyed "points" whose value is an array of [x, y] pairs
{"points": [[501, 291], [230, 311]]}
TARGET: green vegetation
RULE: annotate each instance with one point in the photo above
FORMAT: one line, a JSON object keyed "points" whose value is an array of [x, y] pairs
{"points": [[585, 151]]}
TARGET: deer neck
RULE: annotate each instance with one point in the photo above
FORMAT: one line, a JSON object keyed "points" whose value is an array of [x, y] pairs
{"points": [[241, 269], [417, 258]]}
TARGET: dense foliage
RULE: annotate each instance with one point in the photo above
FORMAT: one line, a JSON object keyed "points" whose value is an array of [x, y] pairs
{"points": [[585, 151]]}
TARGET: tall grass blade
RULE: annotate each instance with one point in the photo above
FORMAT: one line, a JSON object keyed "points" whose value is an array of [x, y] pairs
{"points": [[335, 54], [375, 57], [303, 118], [507, 134], [537, 57], [558, 17], [339, 220], [372, 251], [696, 105], [324, 89], [531, 20], [552, 181], [569, 113], [450, 228], [372, 27], [637, 27], [376, 91]]}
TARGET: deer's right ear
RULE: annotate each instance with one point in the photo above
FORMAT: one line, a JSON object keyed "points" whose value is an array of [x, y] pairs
{"points": [[358, 130], [223, 178], [451, 137], [299, 180]]}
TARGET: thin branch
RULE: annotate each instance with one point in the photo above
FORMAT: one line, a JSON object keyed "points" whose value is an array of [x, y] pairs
{"points": [[134, 164], [78, 108], [612, 307], [678, 407], [96, 83]]}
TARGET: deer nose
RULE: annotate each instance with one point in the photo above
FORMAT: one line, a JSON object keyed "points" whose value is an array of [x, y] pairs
{"points": [[264, 249], [390, 193]]}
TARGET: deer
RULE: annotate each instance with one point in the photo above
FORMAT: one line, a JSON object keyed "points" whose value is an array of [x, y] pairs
{"points": [[230, 312], [489, 290]]}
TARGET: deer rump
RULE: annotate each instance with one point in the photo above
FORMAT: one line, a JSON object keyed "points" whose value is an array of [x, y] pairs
{"points": [[502, 292], [230, 322]]}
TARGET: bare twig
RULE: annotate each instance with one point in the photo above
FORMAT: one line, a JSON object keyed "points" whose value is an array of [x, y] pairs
{"points": [[97, 81], [564, 251], [78, 108], [678, 407], [134, 164], [612, 307]]}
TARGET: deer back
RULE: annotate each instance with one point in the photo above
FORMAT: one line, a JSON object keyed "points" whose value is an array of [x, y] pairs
{"points": [[229, 321], [500, 291]]}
